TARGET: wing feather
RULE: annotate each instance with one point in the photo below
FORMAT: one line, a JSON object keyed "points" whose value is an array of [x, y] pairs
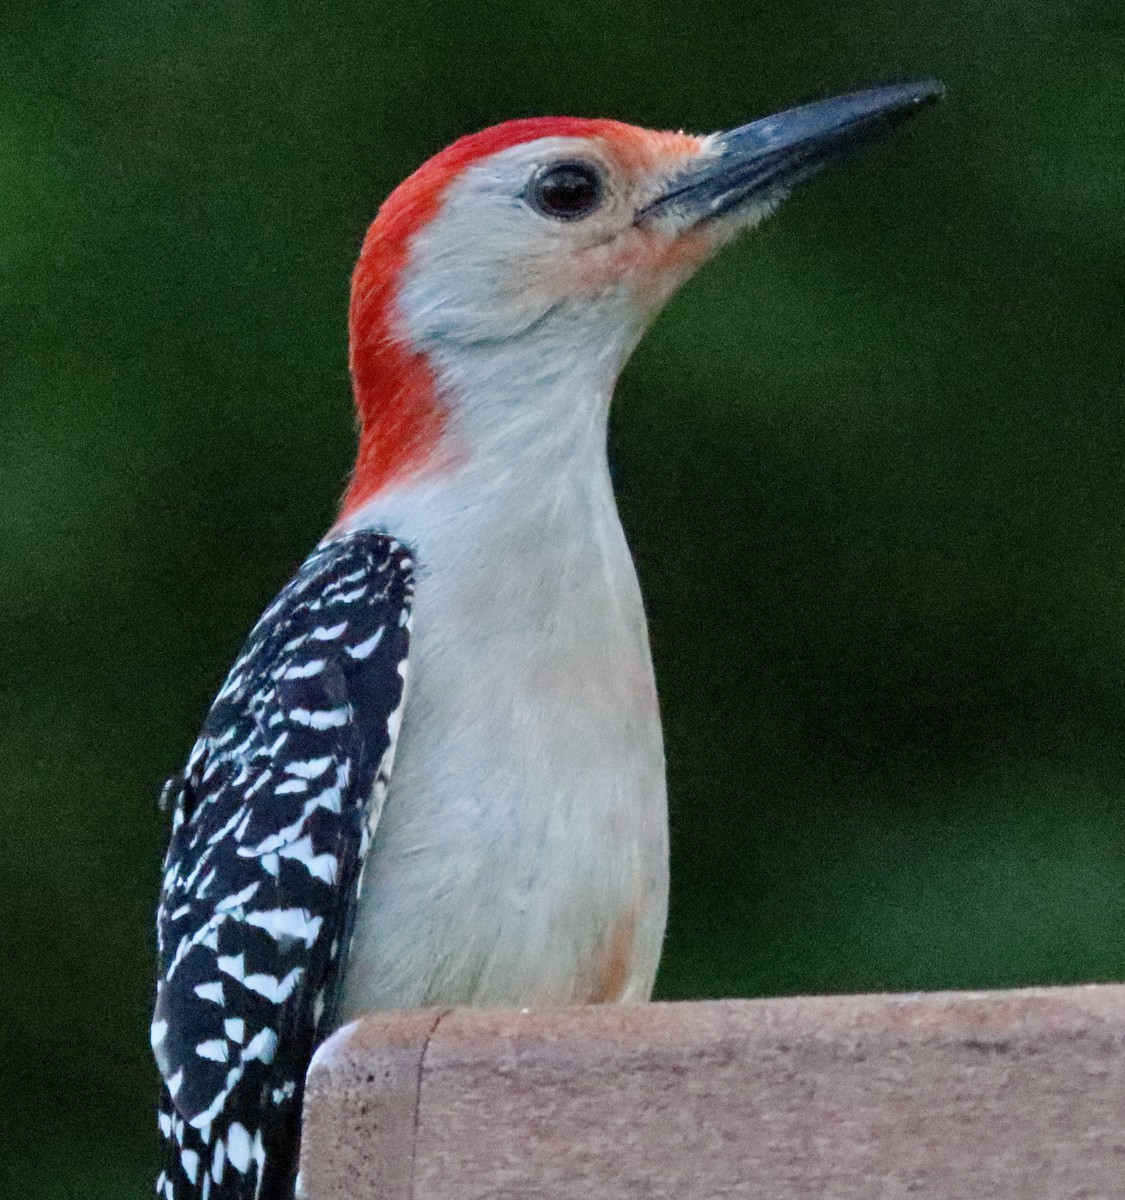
{"points": [[273, 816]]}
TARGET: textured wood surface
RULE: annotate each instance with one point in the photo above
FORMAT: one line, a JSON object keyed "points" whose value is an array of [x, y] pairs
{"points": [[965, 1096]]}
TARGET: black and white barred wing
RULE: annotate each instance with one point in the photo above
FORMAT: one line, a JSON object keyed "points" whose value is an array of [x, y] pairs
{"points": [[273, 817]]}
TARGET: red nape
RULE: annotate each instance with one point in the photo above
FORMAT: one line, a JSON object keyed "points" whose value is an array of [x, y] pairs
{"points": [[401, 415]]}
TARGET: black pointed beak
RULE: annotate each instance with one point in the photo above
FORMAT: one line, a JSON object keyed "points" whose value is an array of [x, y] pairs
{"points": [[770, 156]]}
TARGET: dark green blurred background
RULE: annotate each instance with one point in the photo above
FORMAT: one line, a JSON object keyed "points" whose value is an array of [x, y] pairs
{"points": [[871, 462]]}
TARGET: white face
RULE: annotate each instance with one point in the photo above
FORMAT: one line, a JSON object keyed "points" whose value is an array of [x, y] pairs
{"points": [[546, 233]]}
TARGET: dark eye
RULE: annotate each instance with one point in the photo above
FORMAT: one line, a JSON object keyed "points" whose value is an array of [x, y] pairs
{"points": [[566, 191]]}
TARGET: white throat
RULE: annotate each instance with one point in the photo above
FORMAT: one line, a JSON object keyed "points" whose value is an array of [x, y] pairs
{"points": [[526, 424]]}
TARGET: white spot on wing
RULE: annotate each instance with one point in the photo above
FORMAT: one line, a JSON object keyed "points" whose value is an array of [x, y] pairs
{"points": [[202, 1122], [329, 718], [217, 1161], [277, 990], [320, 866], [216, 1049], [258, 1153], [320, 634], [263, 1046], [237, 816], [238, 1147], [312, 768], [329, 799], [305, 670], [233, 965], [239, 898], [365, 648], [210, 991], [349, 597], [265, 776], [189, 1160], [287, 923]]}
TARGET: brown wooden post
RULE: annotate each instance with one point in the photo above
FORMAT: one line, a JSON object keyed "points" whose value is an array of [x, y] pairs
{"points": [[949, 1096]]}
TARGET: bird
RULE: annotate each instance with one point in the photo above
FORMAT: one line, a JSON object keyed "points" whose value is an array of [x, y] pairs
{"points": [[435, 775]]}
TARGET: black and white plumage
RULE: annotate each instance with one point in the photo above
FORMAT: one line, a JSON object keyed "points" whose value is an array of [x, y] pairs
{"points": [[273, 816]]}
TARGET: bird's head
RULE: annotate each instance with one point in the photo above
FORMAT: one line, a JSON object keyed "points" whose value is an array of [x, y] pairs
{"points": [[532, 256]]}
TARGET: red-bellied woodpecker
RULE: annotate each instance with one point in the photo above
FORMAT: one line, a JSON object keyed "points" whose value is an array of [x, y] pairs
{"points": [[435, 775]]}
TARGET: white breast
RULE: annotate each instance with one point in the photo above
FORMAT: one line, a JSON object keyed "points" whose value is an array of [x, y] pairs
{"points": [[521, 857]]}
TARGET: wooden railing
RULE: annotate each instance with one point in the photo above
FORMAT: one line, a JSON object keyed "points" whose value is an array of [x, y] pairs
{"points": [[947, 1096]]}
